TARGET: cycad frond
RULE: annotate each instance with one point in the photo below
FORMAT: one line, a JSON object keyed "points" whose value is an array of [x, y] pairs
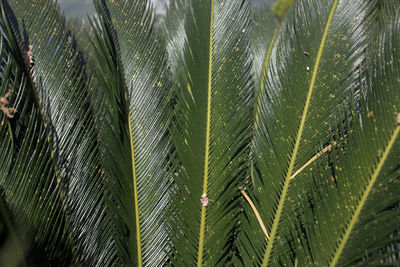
{"points": [[211, 127], [132, 76], [263, 37], [30, 179], [356, 213], [62, 90], [292, 127], [314, 69]]}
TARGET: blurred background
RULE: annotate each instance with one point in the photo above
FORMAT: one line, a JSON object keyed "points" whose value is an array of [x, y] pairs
{"points": [[80, 8]]}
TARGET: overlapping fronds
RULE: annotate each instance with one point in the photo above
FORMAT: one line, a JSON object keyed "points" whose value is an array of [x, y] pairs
{"points": [[62, 91], [264, 32], [211, 127], [355, 197], [33, 202], [236, 141], [314, 69], [132, 77]]}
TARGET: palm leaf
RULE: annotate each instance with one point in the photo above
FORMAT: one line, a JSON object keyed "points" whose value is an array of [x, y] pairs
{"points": [[211, 127], [358, 216], [62, 91], [174, 31], [30, 194], [264, 34], [131, 76], [314, 69]]}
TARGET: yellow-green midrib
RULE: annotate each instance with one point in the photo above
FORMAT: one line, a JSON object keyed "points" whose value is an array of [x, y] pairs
{"points": [[135, 193], [207, 142]]}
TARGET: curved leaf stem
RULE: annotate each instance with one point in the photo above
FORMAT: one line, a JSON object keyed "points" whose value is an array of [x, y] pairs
{"points": [[207, 149], [298, 139], [364, 198], [45, 123]]}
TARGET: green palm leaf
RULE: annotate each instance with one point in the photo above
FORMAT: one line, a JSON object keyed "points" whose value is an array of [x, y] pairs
{"points": [[237, 141], [62, 91], [314, 69], [174, 31], [132, 78], [31, 193], [264, 35], [358, 216], [211, 127]]}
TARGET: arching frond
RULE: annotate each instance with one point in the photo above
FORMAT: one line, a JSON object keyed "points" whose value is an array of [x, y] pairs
{"points": [[264, 32], [62, 91], [132, 76], [33, 203], [355, 213], [314, 70], [211, 127], [221, 140]]}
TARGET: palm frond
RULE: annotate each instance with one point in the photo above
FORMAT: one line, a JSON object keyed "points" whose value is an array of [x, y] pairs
{"points": [[357, 207], [174, 31], [62, 89], [225, 139], [211, 128], [132, 76], [30, 194], [263, 37], [314, 69]]}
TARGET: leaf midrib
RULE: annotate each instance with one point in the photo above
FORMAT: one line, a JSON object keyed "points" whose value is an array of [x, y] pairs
{"points": [[298, 139], [135, 193], [207, 148]]}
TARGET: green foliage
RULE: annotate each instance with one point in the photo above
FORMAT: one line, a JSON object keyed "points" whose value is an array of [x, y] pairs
{"points": [[154, 141], [319, 62], [280, 7], [131, 75], [211, 126]]}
